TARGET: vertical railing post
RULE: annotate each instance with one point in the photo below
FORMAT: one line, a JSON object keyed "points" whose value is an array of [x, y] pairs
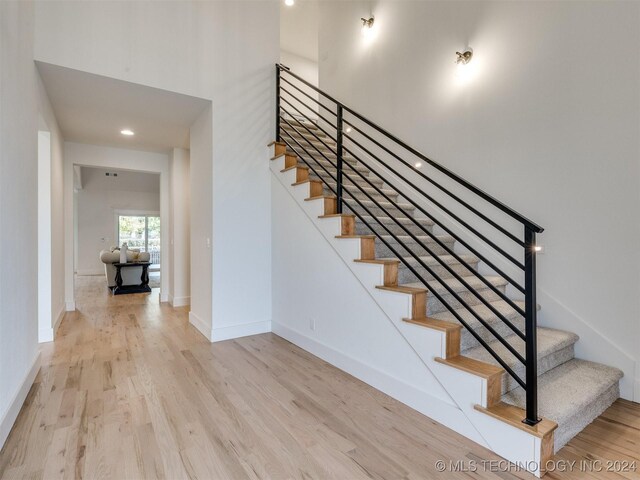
{"points": [[339, 157], [530, 310], [277, 103]]}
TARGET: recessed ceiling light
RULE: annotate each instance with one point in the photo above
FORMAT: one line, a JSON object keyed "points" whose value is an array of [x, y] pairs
{"points": [[289, 3], [127, 132]]}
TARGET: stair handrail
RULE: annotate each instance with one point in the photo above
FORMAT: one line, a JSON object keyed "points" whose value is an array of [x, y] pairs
{"points": [[530, 228]]}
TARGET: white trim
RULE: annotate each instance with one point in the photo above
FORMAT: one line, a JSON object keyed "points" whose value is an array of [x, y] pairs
{"points": [[179, 301], [18, 399], [90, 272], [199, 325], [59, 318], [433, 407], [636, 389], [237, 331], [48, 334], [70, 306]]}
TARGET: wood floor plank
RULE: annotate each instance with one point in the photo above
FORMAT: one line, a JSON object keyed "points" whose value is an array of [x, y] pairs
{"points": [[130, 390]]}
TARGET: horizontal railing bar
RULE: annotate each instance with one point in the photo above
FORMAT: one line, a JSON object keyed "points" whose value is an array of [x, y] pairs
{"points": [[442, 207], [462, 242], [309, 96], [436, 294], [456, 276], [437, 185], [485, 196]]}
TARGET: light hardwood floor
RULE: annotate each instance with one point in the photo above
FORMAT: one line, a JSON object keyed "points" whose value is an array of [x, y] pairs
{"points": [[130, 390]]}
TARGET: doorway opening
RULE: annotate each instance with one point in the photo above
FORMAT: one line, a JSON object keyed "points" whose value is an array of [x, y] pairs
{"points": [[141, 232]]}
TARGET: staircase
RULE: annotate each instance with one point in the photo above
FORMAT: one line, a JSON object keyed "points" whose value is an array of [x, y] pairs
{"points": [[485, 320]]}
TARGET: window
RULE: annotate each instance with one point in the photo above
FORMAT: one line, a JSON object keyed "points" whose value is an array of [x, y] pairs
{"points": [[141, 232]]}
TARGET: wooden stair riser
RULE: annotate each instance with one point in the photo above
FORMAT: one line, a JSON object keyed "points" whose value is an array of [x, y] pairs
{"points": [[279, 149], [290, 160], [329, 204], [418, 304], [348, 225]]}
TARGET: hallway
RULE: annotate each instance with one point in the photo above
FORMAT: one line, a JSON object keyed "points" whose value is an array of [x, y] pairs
{"points": [[130, 390]]}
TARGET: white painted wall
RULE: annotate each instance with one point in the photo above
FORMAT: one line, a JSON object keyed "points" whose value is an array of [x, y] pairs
{"points": [[179, 225], [201, 135], [99, 202], [308, 70], [223, 51], [50, 220], [18, 210], [119, 159], [548, 123]]}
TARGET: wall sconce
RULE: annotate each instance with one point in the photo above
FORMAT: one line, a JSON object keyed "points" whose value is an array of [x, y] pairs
{"points": [[464, 57], [367, 24]]}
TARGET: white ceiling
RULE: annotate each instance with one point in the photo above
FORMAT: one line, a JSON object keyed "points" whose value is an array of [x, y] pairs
{"points": [[93, 109], [299, 28]]}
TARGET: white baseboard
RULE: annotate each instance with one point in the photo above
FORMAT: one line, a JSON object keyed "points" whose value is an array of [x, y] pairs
{"points": [[15, 405], [636, 392], [433, 407], [70, 306], [164, 298], [90, 272], [48, 334], [199, 325], [179, 301], [237, 331]]}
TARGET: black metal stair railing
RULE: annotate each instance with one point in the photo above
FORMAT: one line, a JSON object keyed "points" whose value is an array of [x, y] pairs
{"points": [[340, 176]]}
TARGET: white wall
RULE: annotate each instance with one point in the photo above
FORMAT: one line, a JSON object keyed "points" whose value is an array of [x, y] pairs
{"points": [[179, 225], [99, 201], [118, 159], [18, 210], [200, 137], [51, 216], [224, 51], [548, 123], [308, 70]]}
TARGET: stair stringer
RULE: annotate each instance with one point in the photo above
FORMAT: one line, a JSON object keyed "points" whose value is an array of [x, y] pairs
{"points": [[467, 390]]}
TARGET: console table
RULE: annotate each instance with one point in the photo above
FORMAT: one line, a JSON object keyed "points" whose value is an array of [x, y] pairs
{"points": [[144, 287]]}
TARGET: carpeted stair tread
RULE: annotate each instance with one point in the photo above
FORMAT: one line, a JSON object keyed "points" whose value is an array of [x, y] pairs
{"points": [[447, 259], [393, 221], [572, 395], [473, 282], [406, 239], [555, 347]]}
